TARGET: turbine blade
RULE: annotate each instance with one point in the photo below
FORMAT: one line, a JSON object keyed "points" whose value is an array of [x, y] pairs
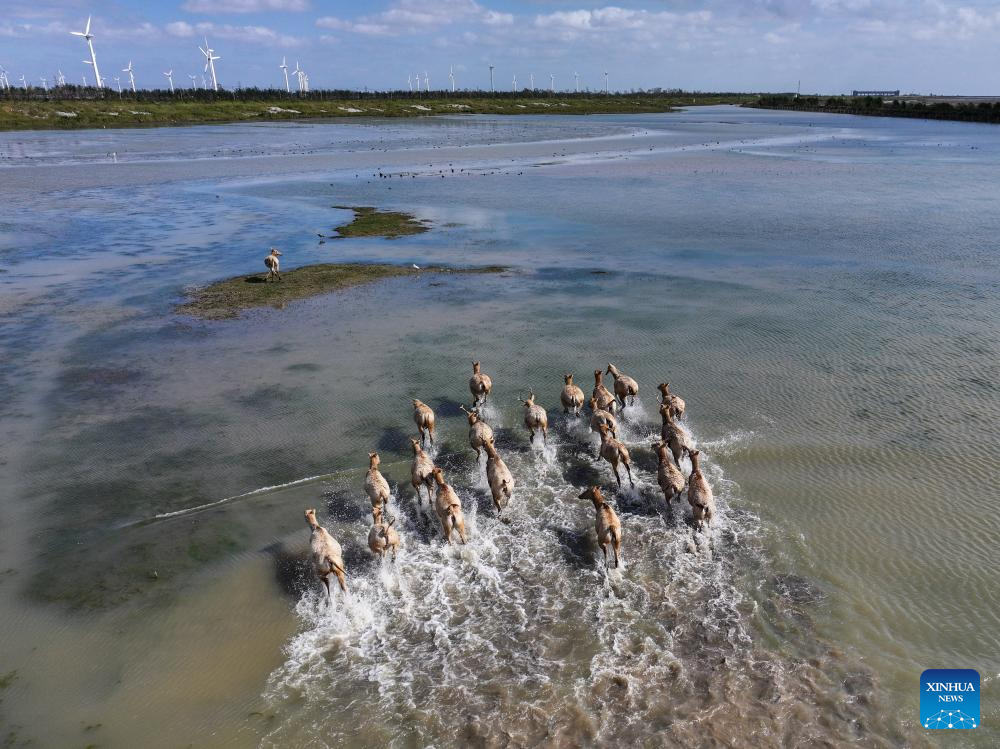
{"points": [[87, 31]]}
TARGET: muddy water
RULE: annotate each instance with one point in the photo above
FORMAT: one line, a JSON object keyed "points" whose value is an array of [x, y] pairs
{"points": [[821, 291]]}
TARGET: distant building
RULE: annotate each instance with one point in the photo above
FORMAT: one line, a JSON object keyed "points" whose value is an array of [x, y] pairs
{"points": [[876, 93]]}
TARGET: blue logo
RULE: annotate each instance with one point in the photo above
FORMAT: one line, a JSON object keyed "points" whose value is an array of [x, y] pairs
{"points": [[949, 698]]}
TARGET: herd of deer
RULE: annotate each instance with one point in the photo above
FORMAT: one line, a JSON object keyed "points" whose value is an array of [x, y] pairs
{"points": [[327, 556]]}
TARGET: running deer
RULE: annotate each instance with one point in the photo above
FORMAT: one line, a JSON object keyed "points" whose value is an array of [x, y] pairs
{"points": [[668, 475], [479, 431], [535, 418], [625, 386], [700, 494], [449, 508], [606, 523], [605, 400], [480, 385], [376, 487], [424, 418], [615, 452], [672, 434], [571, 396], [327, 556], [599, 416], [421, 471], [676, 403], [500, 479], [382, 537]]}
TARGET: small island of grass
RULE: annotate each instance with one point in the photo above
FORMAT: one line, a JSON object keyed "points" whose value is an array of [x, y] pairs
{"points": [[371, 222], [227, 298]]}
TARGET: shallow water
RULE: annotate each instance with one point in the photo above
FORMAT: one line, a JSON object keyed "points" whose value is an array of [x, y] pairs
{"points": [[820, 289]]}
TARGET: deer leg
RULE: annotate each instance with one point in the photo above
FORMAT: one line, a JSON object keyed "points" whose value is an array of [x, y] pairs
{"points": [[617, 477], [628, 468]]}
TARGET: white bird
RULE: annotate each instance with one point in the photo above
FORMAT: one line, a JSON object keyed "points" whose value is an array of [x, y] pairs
{"points": [[90, 45]]}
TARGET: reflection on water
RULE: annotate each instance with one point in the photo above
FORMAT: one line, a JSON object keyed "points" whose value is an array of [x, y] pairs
{"points": [[819, 289]]}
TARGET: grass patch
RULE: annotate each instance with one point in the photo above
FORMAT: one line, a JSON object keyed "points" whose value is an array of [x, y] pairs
{"points": [[227, 298], [37, 110], [371, 222]]}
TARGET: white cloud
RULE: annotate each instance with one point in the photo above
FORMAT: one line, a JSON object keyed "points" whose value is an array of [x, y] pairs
{"points": [[248, 34], [244, 6], [418, 16]]}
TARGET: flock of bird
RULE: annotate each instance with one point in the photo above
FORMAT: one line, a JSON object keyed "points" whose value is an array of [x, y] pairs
{"points": [[327, 555]]}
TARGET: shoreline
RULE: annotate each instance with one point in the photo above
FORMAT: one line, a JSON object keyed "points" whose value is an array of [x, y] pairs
{"points": [[28, 114]]}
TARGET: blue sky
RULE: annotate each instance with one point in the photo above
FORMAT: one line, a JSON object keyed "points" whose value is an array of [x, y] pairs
{"points": [[927, 46]]}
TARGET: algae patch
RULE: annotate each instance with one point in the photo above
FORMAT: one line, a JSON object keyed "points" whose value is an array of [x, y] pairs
{"points": [[227, 298], [371, 222]]}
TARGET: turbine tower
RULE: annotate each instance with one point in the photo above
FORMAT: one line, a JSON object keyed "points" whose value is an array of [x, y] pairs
{"points": [[427, 81], [491, 78], [577, 76], [606, 90], [210, 58], [24, 83], [298, 75], [3, 79], [118, 83], [170, 79], [131, 75], [531, 81], [90, 45], [45, 83], [284, 69], [193, 78], [513, 85], [451, 77], [552, 83], [409, 82]]}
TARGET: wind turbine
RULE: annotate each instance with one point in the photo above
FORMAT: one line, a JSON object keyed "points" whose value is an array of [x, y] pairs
{"points": [[298, 75], [409, 82], [451, 77], [3, 79], [427, 81], [284, 69], [531, 81], [193, 79], [45, 83], [131, 75], [552, 82], [606, 91], [170, 79], [210, 58], [513, 85], [90, 45], [24, 83], [577, 76], [84, 76], [491, 77], [118, 83], [61, 78]]}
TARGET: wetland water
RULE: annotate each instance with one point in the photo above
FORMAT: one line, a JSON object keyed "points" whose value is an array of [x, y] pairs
{"points": [[822, 290]]}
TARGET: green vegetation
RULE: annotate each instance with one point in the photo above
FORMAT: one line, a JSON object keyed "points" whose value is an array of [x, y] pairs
{"points": [[226, 299], [371, 222], [925, 108], [74, 107]]}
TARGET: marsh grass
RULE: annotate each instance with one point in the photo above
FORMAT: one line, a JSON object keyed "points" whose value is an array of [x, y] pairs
{"points": [[35, 111], [227, 298]]}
